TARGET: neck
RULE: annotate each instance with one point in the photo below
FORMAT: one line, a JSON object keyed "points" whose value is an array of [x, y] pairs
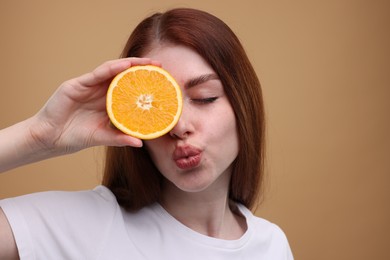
{"points": [[207, 212]]}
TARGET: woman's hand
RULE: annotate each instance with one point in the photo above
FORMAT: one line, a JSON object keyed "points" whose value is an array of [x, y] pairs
{"points": [[73, 118]]}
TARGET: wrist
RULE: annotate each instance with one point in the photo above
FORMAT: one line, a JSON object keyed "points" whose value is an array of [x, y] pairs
{"points": [[21, 144]]}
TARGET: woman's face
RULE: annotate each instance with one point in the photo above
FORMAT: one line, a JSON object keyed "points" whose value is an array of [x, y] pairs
{"points": [[199, 150]]}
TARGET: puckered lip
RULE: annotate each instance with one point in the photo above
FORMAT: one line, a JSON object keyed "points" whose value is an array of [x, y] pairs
{"points": [[187, 157], [185, 151]]}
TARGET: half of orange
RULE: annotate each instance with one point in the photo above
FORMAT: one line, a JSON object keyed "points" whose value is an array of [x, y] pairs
{"points": [[144, 102]]}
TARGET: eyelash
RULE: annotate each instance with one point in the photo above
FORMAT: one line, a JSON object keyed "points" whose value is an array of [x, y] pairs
{"points": [[205, 100]]}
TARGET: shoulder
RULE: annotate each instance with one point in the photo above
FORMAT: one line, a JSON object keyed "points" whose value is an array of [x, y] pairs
{"points": [[74, 222], [271, 230], [258, 223], [66, 202], [267, 235], [73, 209]]}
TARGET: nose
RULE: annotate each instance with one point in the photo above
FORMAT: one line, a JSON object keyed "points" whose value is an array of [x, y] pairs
{"points": [[184, 127]]}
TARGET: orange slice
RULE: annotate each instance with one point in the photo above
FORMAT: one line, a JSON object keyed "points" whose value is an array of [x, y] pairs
{"points": [[144, 102]]}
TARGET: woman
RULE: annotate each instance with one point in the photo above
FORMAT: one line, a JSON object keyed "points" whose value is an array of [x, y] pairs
{"points": [[185, 195]]}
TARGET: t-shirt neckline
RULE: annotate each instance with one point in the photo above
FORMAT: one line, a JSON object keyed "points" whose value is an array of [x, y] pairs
{"points": [[188, 233]]}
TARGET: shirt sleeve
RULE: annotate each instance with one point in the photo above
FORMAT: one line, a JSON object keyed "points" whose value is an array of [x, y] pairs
{"points": [[60, 225], [280, 240]]}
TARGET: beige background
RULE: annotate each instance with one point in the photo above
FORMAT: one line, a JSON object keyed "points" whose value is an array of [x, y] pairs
{"points": [[324, 67]]}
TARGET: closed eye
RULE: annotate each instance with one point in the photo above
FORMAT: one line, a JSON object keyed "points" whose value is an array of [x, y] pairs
{"points": [[205, 100]]}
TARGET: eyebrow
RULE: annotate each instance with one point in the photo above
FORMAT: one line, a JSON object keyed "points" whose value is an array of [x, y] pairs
{"points": [[200, 79]]}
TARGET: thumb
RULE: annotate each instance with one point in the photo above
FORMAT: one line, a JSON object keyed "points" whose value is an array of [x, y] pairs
{"points": [[114, 137]]}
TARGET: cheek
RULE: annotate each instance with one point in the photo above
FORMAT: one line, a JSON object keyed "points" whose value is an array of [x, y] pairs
{"points": [[231, 131], [232, 136], [225, 123], [223, 130], [156, 149]]}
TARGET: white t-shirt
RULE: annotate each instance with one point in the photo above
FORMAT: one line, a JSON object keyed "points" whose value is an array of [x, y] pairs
{"points": [[91, 225]]}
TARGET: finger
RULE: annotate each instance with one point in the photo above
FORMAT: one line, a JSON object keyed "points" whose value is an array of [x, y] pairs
{"points": [[156, 63], [109, 69], [126, 140], [114, 137], [120, 140]]}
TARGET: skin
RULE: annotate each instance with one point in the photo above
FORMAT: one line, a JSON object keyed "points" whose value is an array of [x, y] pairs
{"points": [[8, 248], [198, 194]]}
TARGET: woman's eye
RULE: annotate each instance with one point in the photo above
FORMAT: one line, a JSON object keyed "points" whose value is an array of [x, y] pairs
{"points": [[204, 100]]}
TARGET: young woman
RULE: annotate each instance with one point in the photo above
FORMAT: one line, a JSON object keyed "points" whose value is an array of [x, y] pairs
{"points": [[185, 195]]}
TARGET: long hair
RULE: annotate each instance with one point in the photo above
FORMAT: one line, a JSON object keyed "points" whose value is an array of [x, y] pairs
{"points": [[130, 173]]}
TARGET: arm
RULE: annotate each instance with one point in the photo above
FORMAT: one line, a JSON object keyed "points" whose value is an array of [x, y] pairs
{"points": [[8, 249], [74, 118]]}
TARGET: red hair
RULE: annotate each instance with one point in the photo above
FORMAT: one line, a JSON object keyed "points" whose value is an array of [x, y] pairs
{"points": [[130, 173]]}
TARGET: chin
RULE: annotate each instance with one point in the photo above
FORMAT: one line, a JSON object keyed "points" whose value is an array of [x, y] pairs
{"points": [[198, 181], [192, 187], [193, 184]]}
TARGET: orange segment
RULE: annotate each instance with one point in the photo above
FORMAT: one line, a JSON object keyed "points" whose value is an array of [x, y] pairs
{"points": [[144, 102]]}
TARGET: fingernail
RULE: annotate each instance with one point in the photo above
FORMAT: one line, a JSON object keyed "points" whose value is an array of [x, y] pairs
{"points": [[139, 143]]}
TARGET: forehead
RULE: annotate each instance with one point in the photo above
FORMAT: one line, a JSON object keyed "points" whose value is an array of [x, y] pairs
{"points": [[180, 61]]}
